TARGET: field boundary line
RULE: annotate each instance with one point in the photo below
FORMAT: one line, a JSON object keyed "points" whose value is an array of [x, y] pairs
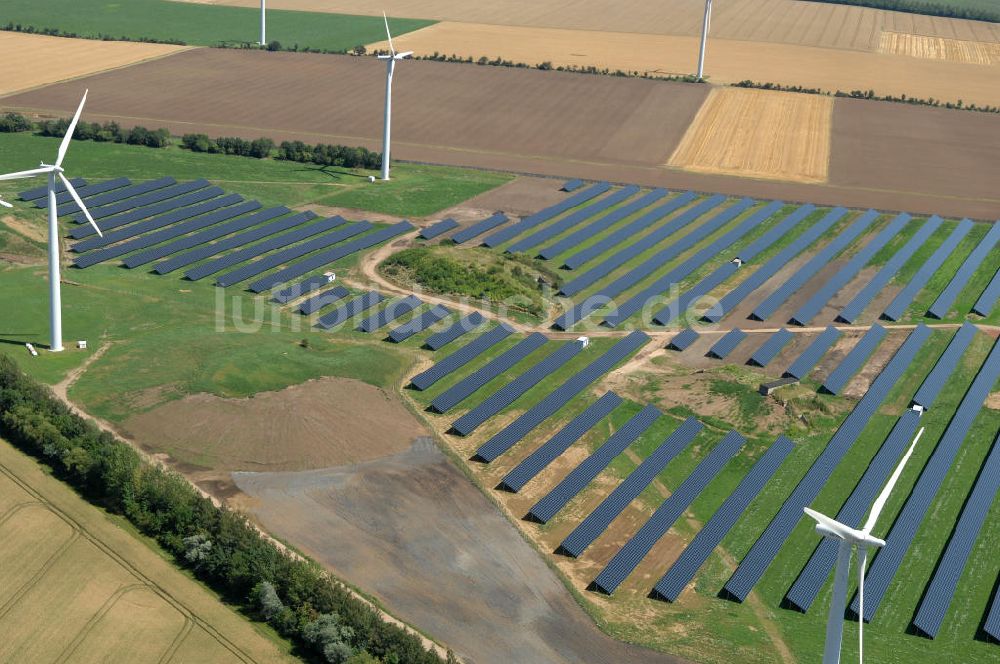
{"points": [[94, 619], [186, 629]]}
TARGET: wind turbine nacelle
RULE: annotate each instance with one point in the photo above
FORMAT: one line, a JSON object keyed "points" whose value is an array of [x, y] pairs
{"points": [[828, 533]]}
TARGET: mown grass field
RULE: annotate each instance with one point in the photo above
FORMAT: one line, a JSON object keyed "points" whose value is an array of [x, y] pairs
{"points": [[201, 24]]}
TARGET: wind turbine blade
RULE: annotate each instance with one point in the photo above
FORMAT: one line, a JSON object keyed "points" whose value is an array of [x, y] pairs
{"points": [[887, 489], [392, 48], [5, 203], [404, 54], [26, 174], [69, 131], [836, 527], [862, 561], [79, 202]]}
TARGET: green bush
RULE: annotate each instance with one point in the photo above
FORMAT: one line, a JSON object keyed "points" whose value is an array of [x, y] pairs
{"points": [[14, 122], [329, 155]]}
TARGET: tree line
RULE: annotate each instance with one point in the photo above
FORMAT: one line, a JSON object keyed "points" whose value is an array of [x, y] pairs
{"points": [[870, 94], [221, 548], [924, 7], [109, 132]]}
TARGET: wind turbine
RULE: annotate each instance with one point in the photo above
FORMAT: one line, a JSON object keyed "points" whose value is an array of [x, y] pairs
{"points": [[849, 538], [263, 31], [53, 171], [5, 203], [390, 66], [705, 26]]}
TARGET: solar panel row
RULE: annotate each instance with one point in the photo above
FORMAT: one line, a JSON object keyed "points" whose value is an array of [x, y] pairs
{"points": [[589, 468], [683, 339], [454, 331], [395, 309], [572, 185], [638, 547], [630, 230], [928, 392], [984, 305], [542, 216], [479, 228], [764, 550], [349, 310], [573, 219], [84, 192], [771, 267], [852, 362], [601, 224], [538, 460], [173, 205], [304, 287], [320, 300], [727, 344], [897, 543], [40, 192], [330, 255], [418, 324], [811, 307], [559, 397], [462, 389], [672, 584], [440, 228], [117, 195], [597, 521], [811, 268], [856, 306], [898, 306], [516, 388], [463, 356], [777, 232], [969, 266], [810, 357], [144, 205], [992, 623], [770, 348]]}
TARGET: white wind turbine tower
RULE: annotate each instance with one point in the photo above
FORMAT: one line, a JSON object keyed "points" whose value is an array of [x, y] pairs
{"points": [[848, 538], [705, 26], [53, 171], [263, 23], [390, 66]]}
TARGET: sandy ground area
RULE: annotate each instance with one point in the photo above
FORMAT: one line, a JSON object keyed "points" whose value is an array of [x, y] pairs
{"points": [[414, 532], [939, 48], [320, 423], [32, 61]]}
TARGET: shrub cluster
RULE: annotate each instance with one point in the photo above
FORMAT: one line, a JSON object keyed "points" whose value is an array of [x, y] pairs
{"points": [[109, 132], [220, 546], [15, 122], [924, 7], [56, 32], [259, 148], [870, 94], [329, 155]]}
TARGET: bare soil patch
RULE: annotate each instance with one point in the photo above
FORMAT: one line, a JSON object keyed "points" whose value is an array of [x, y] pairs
{"points": [[326, 422], [36, 233], [521, 196]]}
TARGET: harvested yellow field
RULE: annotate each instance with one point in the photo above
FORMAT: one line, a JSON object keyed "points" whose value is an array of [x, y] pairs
{"points": [[31, 61], [939, 48], [74, 587], [760, 134]]}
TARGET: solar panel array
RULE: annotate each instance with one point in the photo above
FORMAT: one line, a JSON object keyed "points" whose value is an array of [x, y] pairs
{"points": [[597, 521], [572, 185], [479, 228], [440, 228], [992, 623], [638, 547], [140, 207], [84, 192], [559, 397], [327, 297], [42, 192], [857, 305], [394, 310], [672, 584], [462, 356], [969, 266], [852, 362], [114, 196], [350, 309], [935, 380], [542, 216], [810, 357], [683, 339], [454, 331], [988, 298], [591, 467], [941, 590], [537, 461], [770, 348], [897, 543], [419, 323], [763, 551], [727, 344], [295, 291]]}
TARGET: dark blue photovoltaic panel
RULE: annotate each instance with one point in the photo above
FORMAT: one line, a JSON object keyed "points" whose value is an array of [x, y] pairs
{"points": [[852, 361], [829, 288], [583, 474], [271, 243], [116, 195], [764, 550], [631, 229], [855, 307], [329, 256], [777, 232], [771, 267], [814, 575], [147, 203], [295, 291], [418, 324], [84, 192], [39, 192], [542, 216], [462, 356], [671, 509], [440, 228], [696, 553], [810, 356], [559, 397], [770, 348], [984, 305], [573, 219], [572, 185], [320, 300], [727, 344], [937, 599], [479, 228], [601, 224], [457, 329], [175, 205], [538, 460], [780, 295], [252, 235], [598, 520], [349, 310], [897, 543], [395, 309], [164, 234], [516, 388], [898, 306], [281, 257], [683, 339], [936, 379], [968, 268], [992, 624], [463, 388]]}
